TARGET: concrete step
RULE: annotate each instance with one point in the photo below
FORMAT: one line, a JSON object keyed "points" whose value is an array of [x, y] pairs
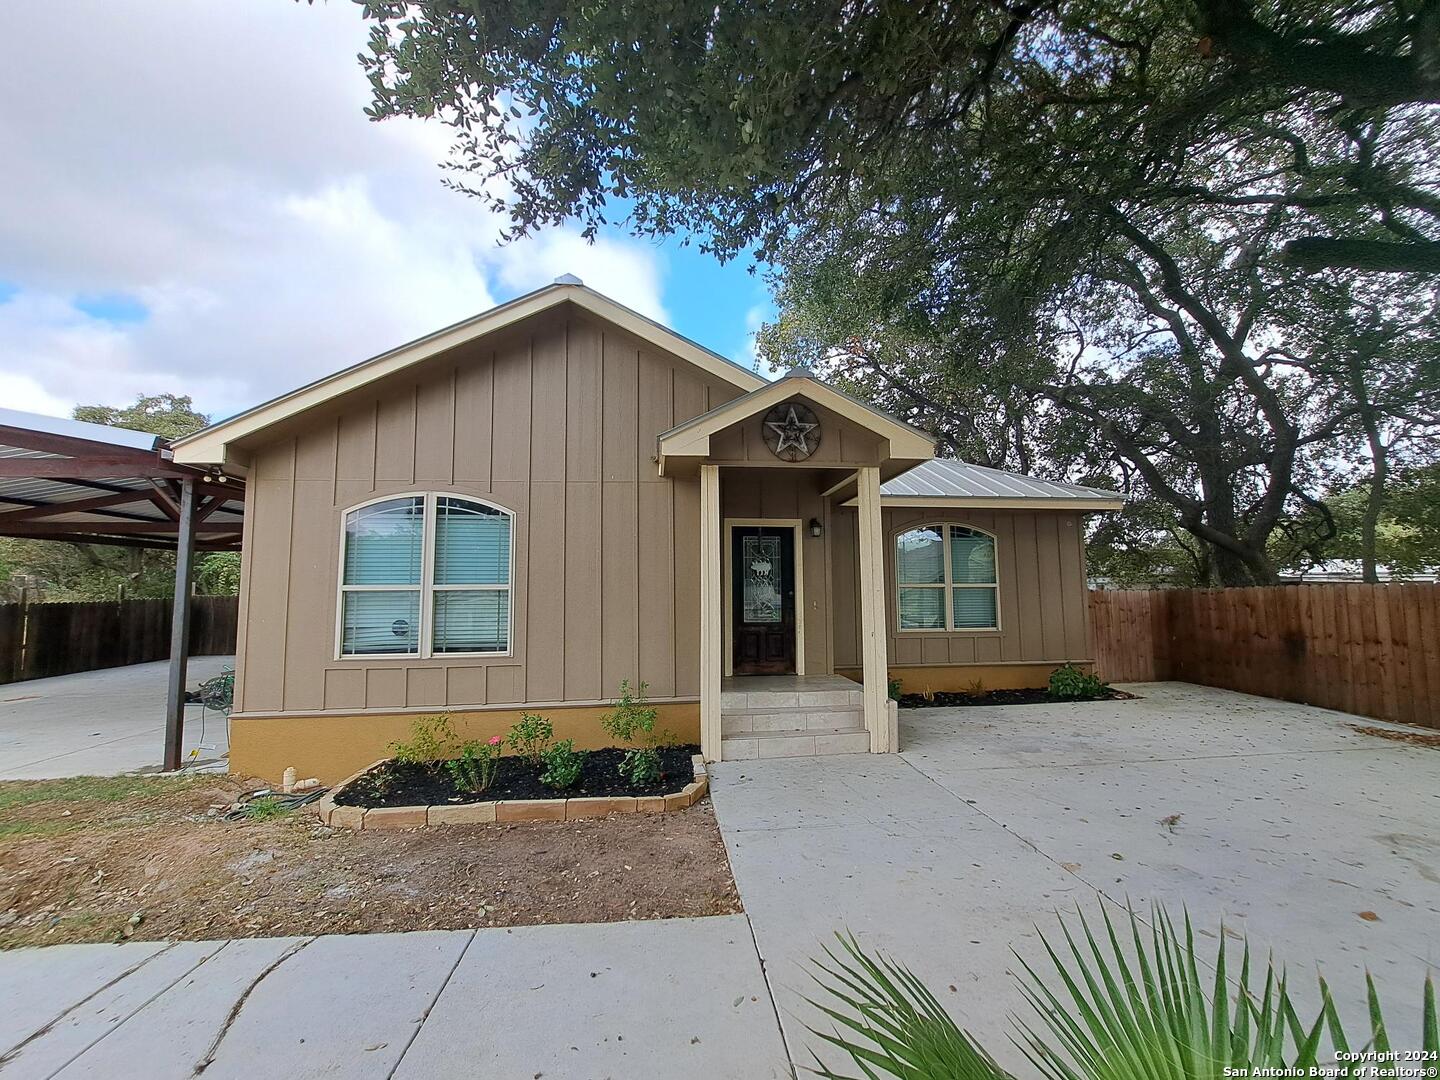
{"points": [[797, 718], [778, 744], [769, 700]]}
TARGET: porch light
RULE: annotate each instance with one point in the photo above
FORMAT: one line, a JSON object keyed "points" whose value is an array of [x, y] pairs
{"points": [[815, 528]]}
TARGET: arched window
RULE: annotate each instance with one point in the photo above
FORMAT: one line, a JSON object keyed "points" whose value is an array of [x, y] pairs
{"points": [[425, 575], [945, 579]]}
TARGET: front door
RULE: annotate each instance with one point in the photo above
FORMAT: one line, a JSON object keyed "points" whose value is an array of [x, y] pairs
{"points": [[762, 600]]}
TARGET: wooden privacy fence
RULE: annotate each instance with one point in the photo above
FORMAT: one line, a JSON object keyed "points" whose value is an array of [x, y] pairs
{"points": [[1367, 649], [39, 640]]}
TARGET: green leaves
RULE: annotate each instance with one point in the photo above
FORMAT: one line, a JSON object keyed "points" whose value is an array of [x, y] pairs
{"points": [[903, 1030], [1118, 1006]]}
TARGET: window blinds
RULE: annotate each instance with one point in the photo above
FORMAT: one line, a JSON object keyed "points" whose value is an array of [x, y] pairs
{"points": [[385, 598]]}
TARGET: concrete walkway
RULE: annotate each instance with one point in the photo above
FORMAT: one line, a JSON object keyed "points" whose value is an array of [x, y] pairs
{"points": [[630, 1001], [102, 723], [1299, 832]]}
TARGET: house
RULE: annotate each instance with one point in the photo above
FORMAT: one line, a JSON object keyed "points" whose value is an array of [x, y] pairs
{"points": [[521, 510]]}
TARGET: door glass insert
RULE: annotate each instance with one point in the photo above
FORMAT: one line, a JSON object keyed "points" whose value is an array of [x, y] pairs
{"points": [[760, 578]]}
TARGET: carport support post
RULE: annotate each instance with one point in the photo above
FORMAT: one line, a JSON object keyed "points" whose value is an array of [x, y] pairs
{"points": [[180, 627]]}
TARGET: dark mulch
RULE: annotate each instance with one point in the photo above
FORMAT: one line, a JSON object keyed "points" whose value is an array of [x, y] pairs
{"points": [[394, 784], [948, 699]]}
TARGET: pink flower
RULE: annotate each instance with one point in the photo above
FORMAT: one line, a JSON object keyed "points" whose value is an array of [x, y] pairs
{"points": [[494, 740]]}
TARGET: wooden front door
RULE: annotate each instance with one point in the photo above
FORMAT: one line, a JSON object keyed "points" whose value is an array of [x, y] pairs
{"points": [[762, 600]]}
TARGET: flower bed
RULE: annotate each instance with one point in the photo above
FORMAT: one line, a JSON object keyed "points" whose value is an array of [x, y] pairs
{"points": [[395, 783], [437, 777], [947, 699], [350, 814], [1068, 683]]}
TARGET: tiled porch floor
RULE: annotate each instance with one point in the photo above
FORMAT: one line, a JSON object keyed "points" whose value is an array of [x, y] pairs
{"points": [[785, 683]]}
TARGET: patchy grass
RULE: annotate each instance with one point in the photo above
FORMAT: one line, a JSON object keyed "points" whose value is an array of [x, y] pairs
{"points": [[51, 807], [105, 789], [79, 858]]}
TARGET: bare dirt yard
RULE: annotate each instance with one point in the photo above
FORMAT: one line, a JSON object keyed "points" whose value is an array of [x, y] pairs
{"points": [[80, 858]]}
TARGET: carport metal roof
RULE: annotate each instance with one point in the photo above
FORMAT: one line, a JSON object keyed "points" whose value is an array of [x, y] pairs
{"points": [[95, 484], [91, 483]]}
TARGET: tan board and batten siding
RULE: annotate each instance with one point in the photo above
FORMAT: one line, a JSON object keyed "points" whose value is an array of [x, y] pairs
{"points": [[1040, 560], [555, 420]]}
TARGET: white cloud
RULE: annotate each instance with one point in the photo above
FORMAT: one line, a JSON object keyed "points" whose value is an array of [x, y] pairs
{"points": [[629, 273], [24, 393], [749, 354], [233, 186]]}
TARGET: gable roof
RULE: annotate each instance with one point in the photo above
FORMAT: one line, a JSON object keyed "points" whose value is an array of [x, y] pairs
{"points": [[209, 446], [948, 482], [692, 438]]}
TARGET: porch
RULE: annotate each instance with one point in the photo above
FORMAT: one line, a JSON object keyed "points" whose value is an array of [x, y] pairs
{"points": [[777, 469]]}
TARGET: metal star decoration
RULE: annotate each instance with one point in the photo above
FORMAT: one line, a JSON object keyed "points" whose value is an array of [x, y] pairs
{"points": [[794, 433]]}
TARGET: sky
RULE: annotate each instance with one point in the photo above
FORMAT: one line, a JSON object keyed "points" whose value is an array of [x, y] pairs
{"points": [[193, 202]]}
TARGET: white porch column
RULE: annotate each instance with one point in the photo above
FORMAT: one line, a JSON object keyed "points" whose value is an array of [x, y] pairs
{"points": [[711, 637], [875, 666]]}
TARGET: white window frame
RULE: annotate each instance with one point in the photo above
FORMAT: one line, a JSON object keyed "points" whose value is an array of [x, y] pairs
{"points": [[947, 583], [427, 587]]}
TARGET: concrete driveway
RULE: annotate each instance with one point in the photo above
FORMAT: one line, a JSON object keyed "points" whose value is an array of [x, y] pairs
{"points": [[632, 1001], [102, 723], [1291, 825]]}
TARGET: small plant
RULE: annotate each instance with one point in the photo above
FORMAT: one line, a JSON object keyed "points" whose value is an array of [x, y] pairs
{"points": [[641, 766], [1069, 683], [474, 770], [266, 808], [563, 764], [893, 689], [633, 721], [432, 740], [531, 737], [976, 687], [631, 717]]}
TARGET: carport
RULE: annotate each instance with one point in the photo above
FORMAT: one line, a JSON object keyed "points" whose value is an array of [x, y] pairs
{"points": [[93, 484]]}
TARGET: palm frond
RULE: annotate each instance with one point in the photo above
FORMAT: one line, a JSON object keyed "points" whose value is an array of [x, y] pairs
{"points": [[1117, 1007], [889, 1020]]}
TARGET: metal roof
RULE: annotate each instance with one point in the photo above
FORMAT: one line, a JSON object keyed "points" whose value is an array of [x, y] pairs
{"points": [[947, 478], [121, 481], [79, 429]]}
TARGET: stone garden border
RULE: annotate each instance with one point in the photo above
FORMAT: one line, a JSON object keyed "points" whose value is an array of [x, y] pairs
{"points": [[480, 813]]}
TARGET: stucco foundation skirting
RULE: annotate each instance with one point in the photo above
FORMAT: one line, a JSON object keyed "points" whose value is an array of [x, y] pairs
{"points": [[480, 813]]}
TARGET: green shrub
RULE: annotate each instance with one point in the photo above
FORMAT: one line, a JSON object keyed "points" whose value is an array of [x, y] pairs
{"points": [[474, 769], [563, 764], [641, 766], [432, 740], [1069, 683], [893, 689], [530, 737], [1111, 1005], [633, 721], [631, 717]]}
